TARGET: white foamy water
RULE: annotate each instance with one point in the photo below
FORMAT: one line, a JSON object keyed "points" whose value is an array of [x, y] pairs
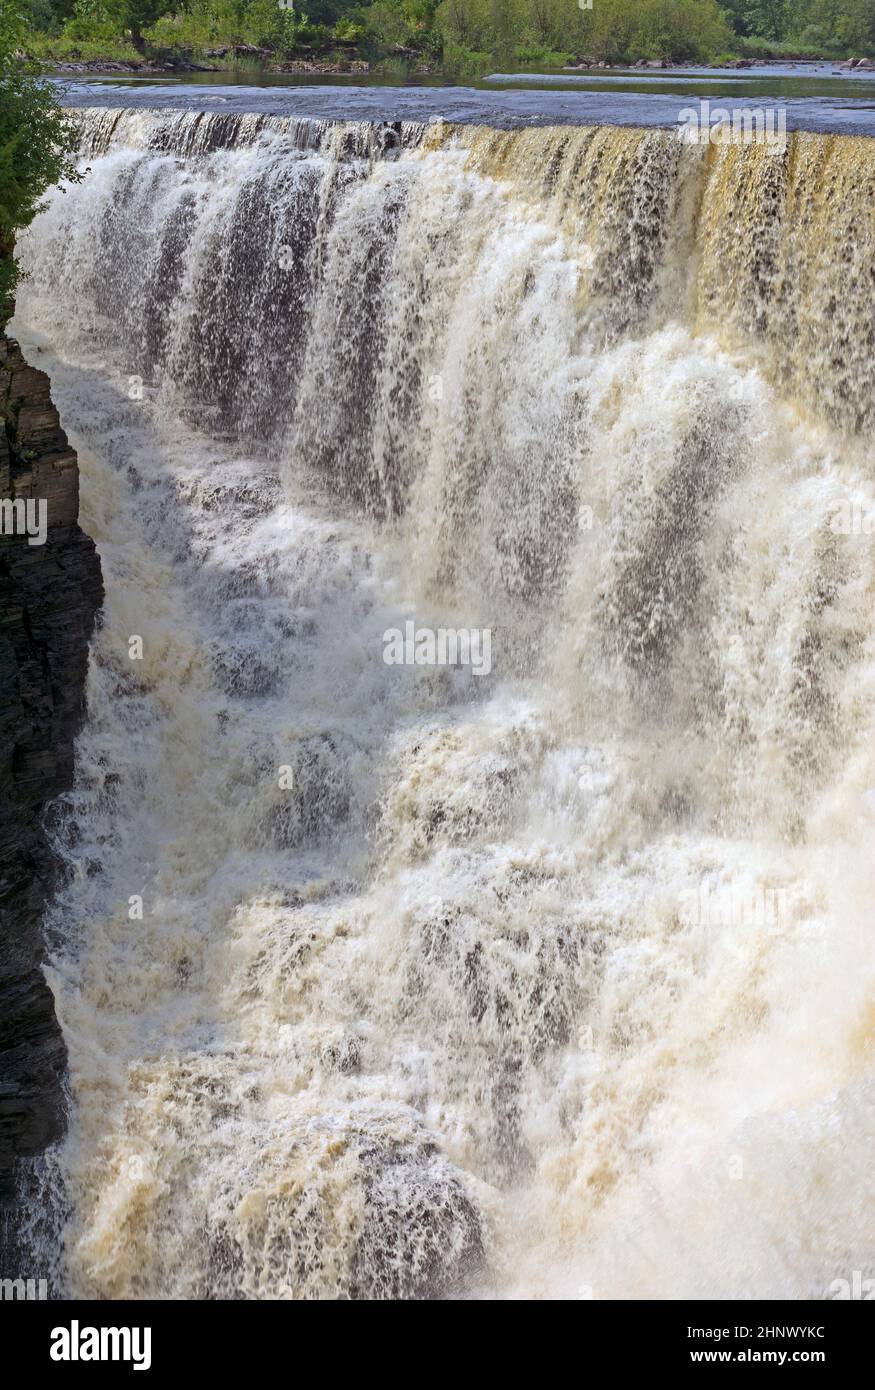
{"points": [[551, 981]]}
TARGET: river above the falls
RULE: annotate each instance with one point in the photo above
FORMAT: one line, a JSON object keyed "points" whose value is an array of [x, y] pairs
{"points": [[815, 96]]}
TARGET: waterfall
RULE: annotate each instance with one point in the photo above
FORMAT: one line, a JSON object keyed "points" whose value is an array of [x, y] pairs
{"points": [[404, 979]]}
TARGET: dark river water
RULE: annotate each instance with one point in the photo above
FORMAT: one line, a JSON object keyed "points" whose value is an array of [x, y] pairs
{"points": [[814, 96]]}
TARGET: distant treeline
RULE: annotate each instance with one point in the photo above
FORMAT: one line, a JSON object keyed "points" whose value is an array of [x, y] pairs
{"points": [[463, 34]]}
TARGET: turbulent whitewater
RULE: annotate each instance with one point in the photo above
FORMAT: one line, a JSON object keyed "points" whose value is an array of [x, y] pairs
{"points": [[401, 980]]}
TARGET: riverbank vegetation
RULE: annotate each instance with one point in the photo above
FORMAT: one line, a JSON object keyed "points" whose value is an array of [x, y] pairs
{"points": [[36, 142], [464, 36]]}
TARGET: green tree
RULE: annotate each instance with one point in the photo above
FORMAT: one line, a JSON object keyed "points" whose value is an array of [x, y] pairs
{"points": [[768, 18], [137, 15], [504, 27], [466, 23], [855, 24], [116, 17], [37, 140]]}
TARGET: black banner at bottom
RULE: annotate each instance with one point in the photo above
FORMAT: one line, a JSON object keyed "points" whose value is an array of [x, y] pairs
{"points": [[72, 1338]]}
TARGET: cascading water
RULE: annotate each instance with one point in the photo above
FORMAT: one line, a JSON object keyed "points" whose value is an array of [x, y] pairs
{"points": [[549, 979]]}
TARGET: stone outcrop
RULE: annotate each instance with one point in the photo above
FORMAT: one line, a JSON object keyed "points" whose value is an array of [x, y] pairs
{"points": [[49, 595], [171, 63]]}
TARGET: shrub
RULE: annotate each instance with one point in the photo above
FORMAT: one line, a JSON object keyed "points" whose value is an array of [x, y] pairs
{"points": [[37, 140]]}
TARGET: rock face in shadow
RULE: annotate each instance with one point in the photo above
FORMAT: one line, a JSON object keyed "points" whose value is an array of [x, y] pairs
{"points": [[49, 596]]}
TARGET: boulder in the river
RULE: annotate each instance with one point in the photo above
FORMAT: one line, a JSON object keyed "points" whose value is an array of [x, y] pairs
{"points": [[363, 1206]]}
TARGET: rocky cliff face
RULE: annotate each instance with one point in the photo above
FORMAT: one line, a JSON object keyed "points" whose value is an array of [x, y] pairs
{"points": [[49, 595]]}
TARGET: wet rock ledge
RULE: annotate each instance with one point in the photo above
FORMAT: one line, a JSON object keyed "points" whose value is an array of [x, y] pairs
{"points": [[49, 596]]}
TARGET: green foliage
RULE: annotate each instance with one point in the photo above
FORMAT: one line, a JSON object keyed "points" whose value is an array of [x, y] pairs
{"points": [[400, 23], [767, 18], [547, 31], [94, 20], [200, 24], [47, 49], [346, 31], [468, 36], [464, 62], [537, 55], [204, 24], [36, 143]]}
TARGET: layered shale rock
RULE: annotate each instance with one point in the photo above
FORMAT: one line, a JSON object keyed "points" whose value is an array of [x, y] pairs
{"points": [[49, 595]]}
